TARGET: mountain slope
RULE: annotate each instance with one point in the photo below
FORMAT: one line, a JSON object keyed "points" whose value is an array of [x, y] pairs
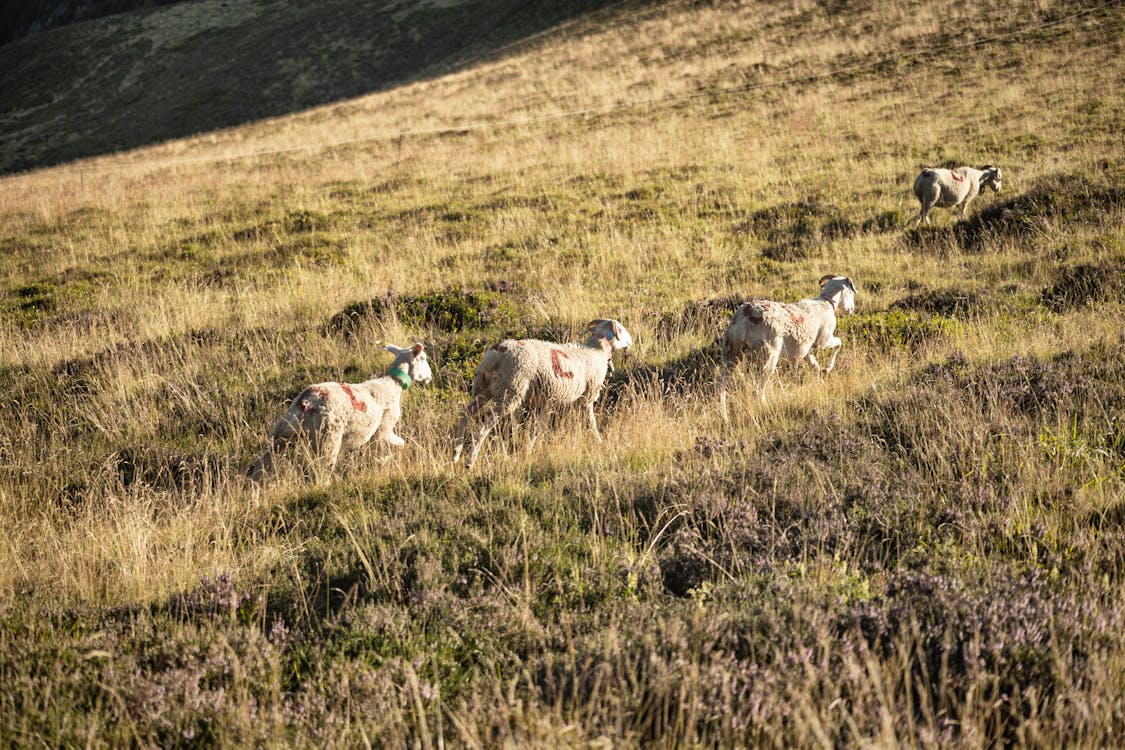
{"points": [[154, 74]]}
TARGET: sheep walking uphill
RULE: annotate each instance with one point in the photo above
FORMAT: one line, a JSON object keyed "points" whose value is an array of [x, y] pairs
{"points": [[334, 416], [770, 329], [952, 188], [541, 375]]}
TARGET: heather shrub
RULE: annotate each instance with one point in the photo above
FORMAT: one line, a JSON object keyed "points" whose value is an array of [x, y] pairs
{"points": [[451, 311], [1079, 383], [894, 329], [705, 317], [793, 231], [946, 303], [1084, 284]]}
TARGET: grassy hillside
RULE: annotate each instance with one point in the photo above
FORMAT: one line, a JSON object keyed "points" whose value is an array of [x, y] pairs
{"points": [[926, 549], [132, 79]]}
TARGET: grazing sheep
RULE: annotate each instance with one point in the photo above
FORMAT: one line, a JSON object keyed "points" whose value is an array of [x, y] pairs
{"points": [[333, 416], [952, 188], [542, 375], [796, 330]]}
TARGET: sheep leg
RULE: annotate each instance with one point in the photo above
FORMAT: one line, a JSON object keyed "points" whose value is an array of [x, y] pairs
{"points": [[593, 421], [327, 447], [768, 370], [386, 429], [491, 419], [509, 402], [723, 375], [285, 430], [262, 466], [835, 344], [467, 414], [539, 419], [731, 353]]}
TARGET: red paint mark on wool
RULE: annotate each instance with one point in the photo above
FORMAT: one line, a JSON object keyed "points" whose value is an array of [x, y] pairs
{"points": [[356, 403], [308, 393], [756, 312], [957, 176], [557, 355]]}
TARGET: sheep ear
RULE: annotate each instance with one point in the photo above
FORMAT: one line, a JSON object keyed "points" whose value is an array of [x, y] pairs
{"points": [[850, 283], [392, 349], [417, 349], [825, 279]]}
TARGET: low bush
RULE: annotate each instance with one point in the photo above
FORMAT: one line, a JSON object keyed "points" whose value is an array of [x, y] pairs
{"points": [[889, 330]]}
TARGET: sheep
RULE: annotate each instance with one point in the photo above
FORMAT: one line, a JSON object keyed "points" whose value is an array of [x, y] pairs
{"points": [[333, 416], [543, 376], [952, 188], [797, 330]]}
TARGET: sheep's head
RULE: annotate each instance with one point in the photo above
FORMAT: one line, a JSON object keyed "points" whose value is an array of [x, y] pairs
{"points": [[840, 291], [410, 365], [610, 330], [992, 177]]}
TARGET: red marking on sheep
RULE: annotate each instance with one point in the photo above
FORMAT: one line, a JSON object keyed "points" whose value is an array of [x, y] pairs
{"points": [[303, 399], [556, 364], [356, 403], [957, 176], [754, 312]]}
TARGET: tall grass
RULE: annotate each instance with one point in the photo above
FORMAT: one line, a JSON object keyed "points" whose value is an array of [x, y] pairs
{"points": [[925, 549]]}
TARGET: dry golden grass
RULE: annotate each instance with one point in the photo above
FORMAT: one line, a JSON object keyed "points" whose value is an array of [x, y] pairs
{"points": [[607, 169], [856, 143]]}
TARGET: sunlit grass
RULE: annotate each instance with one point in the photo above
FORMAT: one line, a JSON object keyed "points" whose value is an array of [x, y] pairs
{"points": [[807, 575]]}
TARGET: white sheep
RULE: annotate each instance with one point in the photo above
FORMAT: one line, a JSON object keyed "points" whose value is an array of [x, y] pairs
{"points": [[542, 375], [952, 188], [797, 330], [332, 416]]}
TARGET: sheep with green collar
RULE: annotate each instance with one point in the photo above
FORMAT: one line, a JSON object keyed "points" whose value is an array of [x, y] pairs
{"points": [[543, 376], [333, 416]]}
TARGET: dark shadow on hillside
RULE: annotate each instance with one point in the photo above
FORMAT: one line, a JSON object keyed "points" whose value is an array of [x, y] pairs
{"points": [[138, 78]]}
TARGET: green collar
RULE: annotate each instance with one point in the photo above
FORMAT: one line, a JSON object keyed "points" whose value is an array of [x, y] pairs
{"points": [[400, 375]]}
